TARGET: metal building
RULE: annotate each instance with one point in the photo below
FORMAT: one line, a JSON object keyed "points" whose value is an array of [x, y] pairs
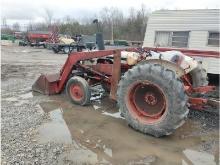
{"points": [[186, 29]]}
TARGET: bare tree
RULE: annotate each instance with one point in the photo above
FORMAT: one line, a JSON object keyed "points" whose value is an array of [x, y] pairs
{"points": [[16, 26], [5, 29], [48, 16], [113, 23], [4, 21], [30, 26]]}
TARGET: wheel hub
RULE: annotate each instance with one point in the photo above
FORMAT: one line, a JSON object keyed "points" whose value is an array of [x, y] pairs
{"points": [[76, 92], [150, 98], [147, 100]]}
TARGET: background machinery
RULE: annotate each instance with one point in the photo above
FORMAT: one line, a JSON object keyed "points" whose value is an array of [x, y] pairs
{"points": [[35, 38]]}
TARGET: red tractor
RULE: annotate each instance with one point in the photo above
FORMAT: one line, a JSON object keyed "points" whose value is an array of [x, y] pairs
{"points": [[153, 89]]}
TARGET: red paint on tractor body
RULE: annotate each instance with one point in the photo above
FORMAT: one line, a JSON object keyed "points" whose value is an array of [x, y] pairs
{"points": [[110, 73]]}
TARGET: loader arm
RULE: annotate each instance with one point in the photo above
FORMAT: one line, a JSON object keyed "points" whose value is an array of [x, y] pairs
{"points": [[74, 58], [54, 83]]}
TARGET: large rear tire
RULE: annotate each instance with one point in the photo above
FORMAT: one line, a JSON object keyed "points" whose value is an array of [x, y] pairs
{"points": [[78, 90], [152, 99]]}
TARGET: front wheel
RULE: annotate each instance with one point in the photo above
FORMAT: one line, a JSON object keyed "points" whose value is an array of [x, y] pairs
{"points": [[152, 99], [78, 90]]}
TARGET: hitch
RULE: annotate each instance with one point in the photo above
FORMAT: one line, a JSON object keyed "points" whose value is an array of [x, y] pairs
{"points": [[202, 103]]}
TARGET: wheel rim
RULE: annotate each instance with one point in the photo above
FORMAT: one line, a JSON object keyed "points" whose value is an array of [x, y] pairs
{"points": [[146, 101], [76, 92], [66, 49]]}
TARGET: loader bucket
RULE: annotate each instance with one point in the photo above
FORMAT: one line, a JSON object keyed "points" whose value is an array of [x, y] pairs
{"points": [[47, 84]]}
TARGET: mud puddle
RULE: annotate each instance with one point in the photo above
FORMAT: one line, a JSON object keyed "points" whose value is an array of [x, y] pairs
{"points": [[56, 130], [101, 136]]}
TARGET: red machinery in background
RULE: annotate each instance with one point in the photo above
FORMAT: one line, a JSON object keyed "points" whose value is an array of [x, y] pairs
{"points": [[38, 38], [35, 38]]}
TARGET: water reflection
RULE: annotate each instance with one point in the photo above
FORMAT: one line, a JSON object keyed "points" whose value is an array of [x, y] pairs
{"points": [[56, 130], [198, 158], [96, 136]]}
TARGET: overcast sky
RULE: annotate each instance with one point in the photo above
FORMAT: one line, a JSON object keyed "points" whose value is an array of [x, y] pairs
{"points": [[24, 11]]}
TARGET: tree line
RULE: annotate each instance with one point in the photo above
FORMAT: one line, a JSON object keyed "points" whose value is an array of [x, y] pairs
{"points": [[112, 22]]}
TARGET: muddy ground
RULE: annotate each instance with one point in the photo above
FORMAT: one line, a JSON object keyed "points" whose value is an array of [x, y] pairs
{"points": [[38, 129]]}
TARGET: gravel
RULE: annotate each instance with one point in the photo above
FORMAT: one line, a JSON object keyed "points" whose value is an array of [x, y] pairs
{"points": [[209, 120], [20, 118]]}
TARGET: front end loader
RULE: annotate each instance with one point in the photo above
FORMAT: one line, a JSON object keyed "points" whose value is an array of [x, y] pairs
{"points": [[153, 89]]}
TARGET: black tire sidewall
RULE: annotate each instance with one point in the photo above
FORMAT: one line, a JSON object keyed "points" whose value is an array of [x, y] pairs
{"points": [[174, 94]]}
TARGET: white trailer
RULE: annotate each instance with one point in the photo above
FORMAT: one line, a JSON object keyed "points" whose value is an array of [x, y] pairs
{"points": [[187, 30]]}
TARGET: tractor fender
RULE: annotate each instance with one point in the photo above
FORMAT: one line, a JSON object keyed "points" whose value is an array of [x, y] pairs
{"points": [[166, 64], [185, 62], [176, 58]]}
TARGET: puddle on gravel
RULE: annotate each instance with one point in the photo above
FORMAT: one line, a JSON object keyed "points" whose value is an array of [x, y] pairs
{"points": [[79, 156], [26, 95], [11, 99], [56, 130], [115, 115], [26, 51], [21, 102], [104, 139], [198, 158]]}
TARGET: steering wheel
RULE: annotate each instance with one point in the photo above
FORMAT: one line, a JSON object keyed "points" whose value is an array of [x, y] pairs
{"points": [[143, 51]]}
